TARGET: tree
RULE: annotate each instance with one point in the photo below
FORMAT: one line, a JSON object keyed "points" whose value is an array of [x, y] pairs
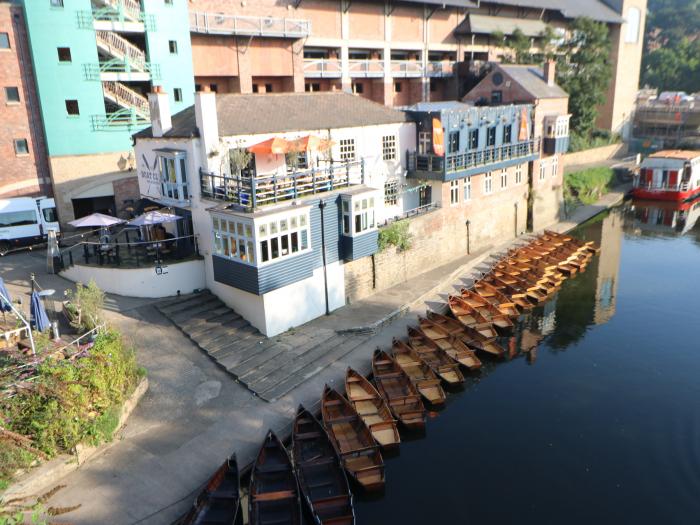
{"points": [[583, 71], [518, 43]]}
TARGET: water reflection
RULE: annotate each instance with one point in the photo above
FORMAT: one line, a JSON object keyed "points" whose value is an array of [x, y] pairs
{"points": [[651, 218]]}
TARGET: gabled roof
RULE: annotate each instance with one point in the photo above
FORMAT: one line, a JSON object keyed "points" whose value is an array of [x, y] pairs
{"points": [[279, 112], [531, 79]]}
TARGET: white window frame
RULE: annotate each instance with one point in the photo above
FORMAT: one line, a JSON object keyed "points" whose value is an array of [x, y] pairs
{"points": [[519, 174], [358, 213], [424, 142], [389, 147], [454, 192], [391, 192], [174, 186], [488, 183], [504, 178], [230, 234], [278, 232], [543, 169], [467, 189], [555, 166], [347, 150]]}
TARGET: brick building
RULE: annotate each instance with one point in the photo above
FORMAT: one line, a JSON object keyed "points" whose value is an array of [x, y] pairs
{"points": [[22, 150]]}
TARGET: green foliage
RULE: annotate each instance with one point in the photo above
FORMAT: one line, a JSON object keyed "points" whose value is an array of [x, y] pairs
{"points": [[85, 306], [521, 46], [584, 72], [588, 185], [75, 401], [12, 459], [396, 234], [596, 139]]}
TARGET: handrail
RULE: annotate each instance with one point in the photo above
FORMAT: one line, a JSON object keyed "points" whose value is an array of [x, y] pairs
{"points": [[131, 7], [220, 23], [440, 68], [322, 67], [127, 96], [113, 42], [406, 67], [366, 67], [19, 315]]}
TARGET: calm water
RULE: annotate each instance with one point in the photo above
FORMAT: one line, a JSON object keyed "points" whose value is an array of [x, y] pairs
{"points": [[600, 423]]}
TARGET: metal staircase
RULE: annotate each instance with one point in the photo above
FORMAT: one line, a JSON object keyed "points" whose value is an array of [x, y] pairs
{"points": [[125, 97], [130, 8], [120, 48]]}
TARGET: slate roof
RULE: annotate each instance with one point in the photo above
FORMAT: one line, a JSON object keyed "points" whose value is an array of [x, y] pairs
{"points": [[486, 25], [531, 78], [595, 9], [279, 112]]}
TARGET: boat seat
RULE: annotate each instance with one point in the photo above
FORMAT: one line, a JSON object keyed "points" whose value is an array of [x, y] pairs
{"points": [[317, 462], [382, 362], [321, 484], [271, 469], [344, 419], [308, 435], [333, 403], [274, 496], [223, 494]]}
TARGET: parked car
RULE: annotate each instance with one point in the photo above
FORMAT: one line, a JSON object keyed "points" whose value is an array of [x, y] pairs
{"points": [[25, 221]]}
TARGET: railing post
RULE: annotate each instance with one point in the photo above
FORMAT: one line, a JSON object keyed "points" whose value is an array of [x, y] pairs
{"points": [[254, 191], [294, 185], [313, 180]]}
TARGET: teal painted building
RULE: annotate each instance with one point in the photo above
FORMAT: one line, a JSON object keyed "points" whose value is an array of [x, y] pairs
{"points": [[95, 63]]}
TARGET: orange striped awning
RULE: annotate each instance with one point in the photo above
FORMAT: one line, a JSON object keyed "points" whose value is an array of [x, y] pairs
{"points": [[276, 146]]}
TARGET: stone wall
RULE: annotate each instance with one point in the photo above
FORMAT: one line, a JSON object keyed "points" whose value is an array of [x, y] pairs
{"points": [[594, 155]]}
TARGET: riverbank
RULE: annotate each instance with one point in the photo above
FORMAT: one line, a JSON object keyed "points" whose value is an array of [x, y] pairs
{"points": [[194, 414]]}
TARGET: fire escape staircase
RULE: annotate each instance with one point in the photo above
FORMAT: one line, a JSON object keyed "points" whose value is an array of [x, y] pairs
{"points": [[121, 49], [125, 97], [130, 9]]}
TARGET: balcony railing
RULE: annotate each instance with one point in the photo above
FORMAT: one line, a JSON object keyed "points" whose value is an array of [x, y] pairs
{"points": [[322, 68], [366, 67], [117, 20], [472, 159], [661, 186], [221, 24], [124, 119], [261, 190], [444, 68], [406, 68], [94, 71]]}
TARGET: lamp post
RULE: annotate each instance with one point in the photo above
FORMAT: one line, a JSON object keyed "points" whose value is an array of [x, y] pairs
{"points": [[467, 224], [516, 218]]}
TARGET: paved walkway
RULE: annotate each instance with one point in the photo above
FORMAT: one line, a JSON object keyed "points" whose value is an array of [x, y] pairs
{"points": [[194, 415]]}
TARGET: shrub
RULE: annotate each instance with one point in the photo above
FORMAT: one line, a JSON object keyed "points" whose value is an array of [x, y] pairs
{"points": [[587, 185], [85, 306], [396, 234], [595, 139]]}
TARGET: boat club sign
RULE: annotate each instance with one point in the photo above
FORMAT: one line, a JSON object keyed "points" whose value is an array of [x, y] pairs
{"points": [[149, 175]]}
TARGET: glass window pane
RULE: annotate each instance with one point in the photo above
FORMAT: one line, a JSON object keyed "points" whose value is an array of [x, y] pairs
{"points": [[302, 220], [346, 224], [241, 250], [249, 231], [274, 248], [273, 228], [239, 228], [295, 242], [234, 250], [358, 223], [304, 240], [262, 230], [346, 206], [285, 244], [283, 225], [216, 223], [251, 252], [224, 241], [263, 251], [293, 223]]}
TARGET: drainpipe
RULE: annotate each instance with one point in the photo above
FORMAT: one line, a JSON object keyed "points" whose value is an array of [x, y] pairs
{"points": [[515, 204], [321, 206], [467, 224]]}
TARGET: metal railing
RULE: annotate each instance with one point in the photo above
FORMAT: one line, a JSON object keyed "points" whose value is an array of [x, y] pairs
{"points": [[132, 8], [322, 67], [119, 120], [222, 24], [661, 186], [472, 159], [420, 210], [130, 254], [406, 68], [94, 71], [124, 96], [444, 68], [120, 47], [366, 67], [256, 191]]}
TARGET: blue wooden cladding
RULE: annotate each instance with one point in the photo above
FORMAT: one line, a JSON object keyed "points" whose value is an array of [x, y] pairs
{"points": [[271, 276], [555, 145]]}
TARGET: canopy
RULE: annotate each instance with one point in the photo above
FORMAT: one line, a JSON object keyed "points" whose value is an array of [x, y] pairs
{"points": [[154, 217], [276, 145], [4, 307], [38, 313], [309, 142], [94, 220]]}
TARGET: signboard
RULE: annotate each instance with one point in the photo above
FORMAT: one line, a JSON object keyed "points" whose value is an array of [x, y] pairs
{"points": [[438, 138], [149, 175]]}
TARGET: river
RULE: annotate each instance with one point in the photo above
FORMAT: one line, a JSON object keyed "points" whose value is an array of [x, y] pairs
{"points": [[599, 422]]}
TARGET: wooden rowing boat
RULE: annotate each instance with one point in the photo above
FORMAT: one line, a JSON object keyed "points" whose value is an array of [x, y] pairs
{"points": [[372, 408], [453, 346], [436, 358], [588, 245], [353, 440], [396, 388], [322, 479], [220, 500], [499, 301], [421, 375], [470, 318], [490, 312], [532, 292], [467, 335], [490, 292], [274, 492]]}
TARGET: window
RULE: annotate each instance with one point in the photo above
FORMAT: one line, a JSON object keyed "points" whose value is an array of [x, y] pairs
{"points": [[172, 45], [433, 87], [543, 169], [168, 2], [397, 87], [358, 88], [504, 179], [454, 192], [64, 54], [56, 3], [11, 95], [555, 166], [633, 20], [72, 107], [453, 145], [256, 89], [488, 183], [234, 239], [358, 213], [424, 142], [389, 147], [391, 192], [17, 218], [507, 133], [4, 41], [214, 88], [173, 169], [491, 136], [519, 174], [21, 147], [312, 86], [467, 185], [347, 150], [277, 238], [496, 97], [474, 139], [50, 214], [177, 93], [198, 87], [268, 88]]}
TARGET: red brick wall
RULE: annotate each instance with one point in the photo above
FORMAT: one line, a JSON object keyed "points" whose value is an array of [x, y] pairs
{"points": [[20, 174]]}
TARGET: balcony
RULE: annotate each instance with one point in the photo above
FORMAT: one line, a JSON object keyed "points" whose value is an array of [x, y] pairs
{"points": [[443, 68], [322, 68], [458, 165], [121, 71], [107, 19], [366, 68], [262, 190], [406, 69], [122, 120], [269, 26]]}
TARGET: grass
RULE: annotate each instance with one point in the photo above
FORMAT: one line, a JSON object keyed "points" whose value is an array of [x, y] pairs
{"points": [[587, 186]]}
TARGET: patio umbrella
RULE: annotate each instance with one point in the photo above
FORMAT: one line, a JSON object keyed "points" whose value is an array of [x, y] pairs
{"points": [[154, 217], [96, 219], [38, 313]]}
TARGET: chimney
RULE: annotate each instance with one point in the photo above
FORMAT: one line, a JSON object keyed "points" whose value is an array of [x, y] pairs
{"points": [[550, 72], [207, 121], [160, 111]]}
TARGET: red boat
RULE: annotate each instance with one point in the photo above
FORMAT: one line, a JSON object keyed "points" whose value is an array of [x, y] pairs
{"points": [[670, 175]]}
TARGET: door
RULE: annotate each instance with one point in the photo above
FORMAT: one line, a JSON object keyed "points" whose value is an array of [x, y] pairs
{"points": [[48, 215], [424, 196]]}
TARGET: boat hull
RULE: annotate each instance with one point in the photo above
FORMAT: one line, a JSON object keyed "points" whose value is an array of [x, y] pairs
{"points": [[678, 196]]}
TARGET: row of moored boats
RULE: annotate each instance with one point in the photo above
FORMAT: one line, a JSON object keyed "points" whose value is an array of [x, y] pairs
{"points": [[357, 426]]}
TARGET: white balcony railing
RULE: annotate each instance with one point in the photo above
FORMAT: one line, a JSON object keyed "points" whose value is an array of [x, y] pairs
{"points": [[366, 67], [406, 68], [221, 24], [322, 68], [442, 68]]}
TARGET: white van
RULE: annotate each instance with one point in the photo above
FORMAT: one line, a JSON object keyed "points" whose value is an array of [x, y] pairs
{"points": [[25, 221]]}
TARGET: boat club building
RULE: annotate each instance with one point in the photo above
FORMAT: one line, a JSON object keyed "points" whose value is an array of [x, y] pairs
{"points": [[281, 191]]}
